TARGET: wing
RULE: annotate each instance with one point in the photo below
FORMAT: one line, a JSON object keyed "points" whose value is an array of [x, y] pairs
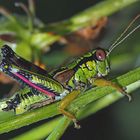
{"points": [[64, 76]]}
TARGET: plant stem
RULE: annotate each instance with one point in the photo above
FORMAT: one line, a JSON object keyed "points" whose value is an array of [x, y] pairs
{"points": [[39, 132], [83, 100], [60, 129], [88, 17]]}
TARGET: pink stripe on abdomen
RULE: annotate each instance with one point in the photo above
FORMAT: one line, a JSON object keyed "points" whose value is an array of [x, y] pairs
{"points": [[50, 94]]}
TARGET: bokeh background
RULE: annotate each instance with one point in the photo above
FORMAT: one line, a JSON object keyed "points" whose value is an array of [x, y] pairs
{"points": [[120, 120]]}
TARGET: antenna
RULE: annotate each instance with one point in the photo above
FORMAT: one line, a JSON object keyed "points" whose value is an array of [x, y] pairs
{"points": [[121, 38]]}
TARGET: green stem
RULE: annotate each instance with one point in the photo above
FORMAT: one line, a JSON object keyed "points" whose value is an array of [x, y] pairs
{"points": [[85, 18], [60, 129], [88, 17], [39, 132], [83, 100]]}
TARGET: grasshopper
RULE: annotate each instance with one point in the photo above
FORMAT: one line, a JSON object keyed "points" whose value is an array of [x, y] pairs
{"points": [[39, 88]]}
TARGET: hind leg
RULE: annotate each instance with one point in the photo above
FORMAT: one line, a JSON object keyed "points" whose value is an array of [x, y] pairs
{"points": [[64, 104]]}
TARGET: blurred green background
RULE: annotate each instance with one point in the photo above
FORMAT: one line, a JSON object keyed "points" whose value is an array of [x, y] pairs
{"points": [[120, 120]]}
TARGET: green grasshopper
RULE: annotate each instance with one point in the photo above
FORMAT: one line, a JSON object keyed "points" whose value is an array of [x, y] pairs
{"points": [[40, 88]]}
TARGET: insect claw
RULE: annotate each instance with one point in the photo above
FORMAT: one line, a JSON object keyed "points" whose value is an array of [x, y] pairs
{"points": [[76, 125], [129, 97], [126, 94]]}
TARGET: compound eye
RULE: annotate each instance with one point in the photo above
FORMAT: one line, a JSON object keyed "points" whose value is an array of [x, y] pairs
{"points": [[100, 55]]}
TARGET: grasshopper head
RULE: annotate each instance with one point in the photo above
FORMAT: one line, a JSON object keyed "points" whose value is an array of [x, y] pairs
{"points": [[102, 63]]}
